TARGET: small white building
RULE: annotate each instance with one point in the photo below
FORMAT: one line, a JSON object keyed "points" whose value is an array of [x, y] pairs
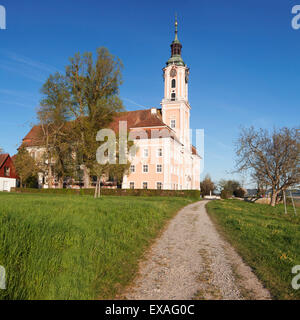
{"points": [[8, 176]]}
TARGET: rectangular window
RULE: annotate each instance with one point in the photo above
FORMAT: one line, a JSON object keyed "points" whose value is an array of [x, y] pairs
{"points": [[173, 124], [159, 152], [146, 153], [132, 168], [145, 185], [6, 171], [159, 186], [145, 168], [159, 168], [131, 185]]}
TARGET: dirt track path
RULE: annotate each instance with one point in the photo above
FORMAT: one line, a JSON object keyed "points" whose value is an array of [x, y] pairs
{"points": [[191, 261]]}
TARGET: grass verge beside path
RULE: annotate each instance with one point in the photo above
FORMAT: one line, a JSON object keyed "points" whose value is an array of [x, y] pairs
{"points": [[70, 247], [267, 240]]}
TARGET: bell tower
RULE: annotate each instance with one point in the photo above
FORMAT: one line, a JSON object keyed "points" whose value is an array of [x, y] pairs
{"points": [[175, 104]]}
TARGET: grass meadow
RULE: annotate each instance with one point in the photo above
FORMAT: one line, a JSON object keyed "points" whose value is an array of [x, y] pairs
{"points": [[76, 247], [266, 238]]}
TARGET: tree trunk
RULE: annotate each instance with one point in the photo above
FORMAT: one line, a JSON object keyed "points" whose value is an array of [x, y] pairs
{"points": [[99, 188], [86, 177], [96, 189], [279, 199], [273, 198], [61, 183], [50, 178]]}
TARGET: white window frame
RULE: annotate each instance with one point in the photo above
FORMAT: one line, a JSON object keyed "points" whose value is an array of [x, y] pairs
{"points": [[159, 153], [171, 123], [144, 165], [146, 153], [130, 183], [143, 185], [157, 185], [159, 165], [132, 166]]}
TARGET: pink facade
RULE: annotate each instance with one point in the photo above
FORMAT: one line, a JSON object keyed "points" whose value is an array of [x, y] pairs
{"points": [[168, 163]]}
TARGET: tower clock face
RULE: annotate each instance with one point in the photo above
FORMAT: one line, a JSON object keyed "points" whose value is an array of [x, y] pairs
{"points": [[173, 73]]}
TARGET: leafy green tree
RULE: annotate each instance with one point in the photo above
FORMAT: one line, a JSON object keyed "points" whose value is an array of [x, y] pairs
{"points": [[74, 108], [53, 115], [94, 89], [230, 186], [207, 186], [26, 167]]}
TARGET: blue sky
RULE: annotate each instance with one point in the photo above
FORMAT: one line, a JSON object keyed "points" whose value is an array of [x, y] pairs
{"points": [[243, 55]]}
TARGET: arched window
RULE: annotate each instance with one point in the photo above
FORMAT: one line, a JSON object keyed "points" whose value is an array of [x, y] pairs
{"points": [[173, 96], [173, 83]]}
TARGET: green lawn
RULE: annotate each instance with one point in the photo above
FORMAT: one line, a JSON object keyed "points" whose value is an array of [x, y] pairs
{"points": [[76, 247], [268, 241]]}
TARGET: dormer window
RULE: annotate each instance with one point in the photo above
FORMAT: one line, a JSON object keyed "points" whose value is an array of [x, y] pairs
{"points": [[173, 83], [173, 96]]}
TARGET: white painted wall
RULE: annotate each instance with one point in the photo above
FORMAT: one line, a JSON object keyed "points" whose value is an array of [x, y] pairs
{"points": [[7, 183]]}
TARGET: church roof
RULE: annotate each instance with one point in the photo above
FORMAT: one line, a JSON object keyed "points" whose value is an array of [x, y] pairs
{"points": [[135, 119], [143, 119]]}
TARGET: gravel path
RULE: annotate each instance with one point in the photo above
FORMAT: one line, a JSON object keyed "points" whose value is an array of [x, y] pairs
{"points": [[191, 261]]}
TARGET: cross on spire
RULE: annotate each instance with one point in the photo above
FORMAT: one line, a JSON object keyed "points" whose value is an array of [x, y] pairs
{"points": [[176, 28]]}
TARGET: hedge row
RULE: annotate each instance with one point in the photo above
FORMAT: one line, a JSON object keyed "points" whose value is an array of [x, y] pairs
{"points": [[115, 192]]}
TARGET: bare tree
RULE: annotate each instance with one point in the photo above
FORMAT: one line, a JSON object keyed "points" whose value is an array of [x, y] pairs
{"points": [[271, 157]]}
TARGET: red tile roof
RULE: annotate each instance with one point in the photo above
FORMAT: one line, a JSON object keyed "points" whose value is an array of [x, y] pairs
{"points": [[33, 137], [138, 119], [3, 158], [194, 151], [135, 119]]}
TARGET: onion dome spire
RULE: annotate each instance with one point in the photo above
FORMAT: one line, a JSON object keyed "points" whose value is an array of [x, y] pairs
{"points": [[176, 47]]}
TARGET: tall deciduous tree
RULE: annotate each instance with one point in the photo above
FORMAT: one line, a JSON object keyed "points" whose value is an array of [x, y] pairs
{"points": [[53, 115], [229, 185], [74, 108], [94, 87], [25, 166], [271, 157], [207, 186]]}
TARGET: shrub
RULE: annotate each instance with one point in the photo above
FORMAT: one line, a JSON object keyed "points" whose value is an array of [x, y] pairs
{"points": [[239, 193], [226, 194], [116, 192]]}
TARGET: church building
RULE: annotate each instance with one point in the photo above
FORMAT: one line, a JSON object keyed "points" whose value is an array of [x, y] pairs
{"points": [[165, 158]]}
